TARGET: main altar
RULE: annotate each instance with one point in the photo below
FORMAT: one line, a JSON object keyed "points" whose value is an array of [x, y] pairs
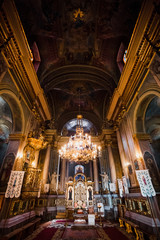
{"points": [[79, 193]]}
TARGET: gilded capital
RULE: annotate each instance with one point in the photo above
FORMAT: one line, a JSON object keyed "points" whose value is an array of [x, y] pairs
{"points": [[108, 142]]}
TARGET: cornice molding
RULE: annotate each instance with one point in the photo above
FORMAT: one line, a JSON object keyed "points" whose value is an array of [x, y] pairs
{"points": [[75, 70], [16, 136], [142, 137]]}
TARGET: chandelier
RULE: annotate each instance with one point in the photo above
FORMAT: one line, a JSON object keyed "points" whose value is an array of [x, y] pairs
{"points": [[80, 148]]}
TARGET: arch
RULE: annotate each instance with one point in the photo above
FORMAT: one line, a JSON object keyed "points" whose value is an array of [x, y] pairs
{"points": [[70, 127], [91, 116], [16, 108], [78, 72], [80, 177], [140, 110]]}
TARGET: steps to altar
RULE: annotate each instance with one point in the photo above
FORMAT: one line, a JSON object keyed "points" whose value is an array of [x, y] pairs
{"points": [[61, 215]]}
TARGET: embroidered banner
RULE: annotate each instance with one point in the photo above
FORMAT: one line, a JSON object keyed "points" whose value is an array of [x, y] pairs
{"points": [[125, 185], [14, 184], [145, 183], [120, 186]]}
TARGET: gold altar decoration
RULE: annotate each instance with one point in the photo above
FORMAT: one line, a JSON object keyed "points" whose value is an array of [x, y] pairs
{"points": [[32, 181], [37, 144], [29, 154], [79, 192], [78, 15], [80, 148]]}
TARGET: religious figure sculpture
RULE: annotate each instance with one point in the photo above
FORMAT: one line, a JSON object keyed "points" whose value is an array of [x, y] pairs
{"points": [[53, 182], [105, 181]]}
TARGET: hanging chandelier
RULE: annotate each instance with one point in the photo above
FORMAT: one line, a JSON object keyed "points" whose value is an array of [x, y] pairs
{"points": [[80, 148]]}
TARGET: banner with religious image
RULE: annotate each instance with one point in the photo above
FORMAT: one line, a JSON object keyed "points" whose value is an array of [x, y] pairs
{"points": [[125, 185], [14, 184], [145, 183], [120, 187], [112, 187]]}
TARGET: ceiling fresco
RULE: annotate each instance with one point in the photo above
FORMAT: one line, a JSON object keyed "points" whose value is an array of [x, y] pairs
{"points": [[78, 45]]}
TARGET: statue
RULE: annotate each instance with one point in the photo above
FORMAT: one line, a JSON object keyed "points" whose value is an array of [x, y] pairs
{"points": [[53, 182], [105, 181]]}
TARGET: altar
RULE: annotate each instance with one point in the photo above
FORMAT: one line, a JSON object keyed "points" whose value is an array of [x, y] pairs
{"points": [[91, 219], [79, 193]]}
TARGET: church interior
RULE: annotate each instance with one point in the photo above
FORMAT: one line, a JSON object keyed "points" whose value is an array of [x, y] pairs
{"points": [[79, 119]]}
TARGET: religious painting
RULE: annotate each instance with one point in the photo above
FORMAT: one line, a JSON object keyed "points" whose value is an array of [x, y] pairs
{"points": [[79, 169], [90, 197], [150, 164], [29, 154], [136, 165], [79, 177], [112, 187], [40, 202], [7, 167], [1, 200], [91, 210], [120, 187], [31, 204], [15, 208], [130, 169], [70, 193], [125, 185], [46, 187], [131, 175], [23, 206]]}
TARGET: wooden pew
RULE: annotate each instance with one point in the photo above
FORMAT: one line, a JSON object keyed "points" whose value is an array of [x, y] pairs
{"points": [[129, 226], [22, 232]]}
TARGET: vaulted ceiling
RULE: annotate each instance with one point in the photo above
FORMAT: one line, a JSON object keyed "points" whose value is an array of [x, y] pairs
{"points": [[78, 47]]}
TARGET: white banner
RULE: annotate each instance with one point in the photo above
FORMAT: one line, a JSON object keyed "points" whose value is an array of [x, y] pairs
{"points": [[120, 186], [125, 185], [145, 183], [14, 184], [112, 187]]}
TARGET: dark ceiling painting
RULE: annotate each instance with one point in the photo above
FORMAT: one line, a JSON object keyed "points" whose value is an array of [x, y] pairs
{"points": [[78, 44]]}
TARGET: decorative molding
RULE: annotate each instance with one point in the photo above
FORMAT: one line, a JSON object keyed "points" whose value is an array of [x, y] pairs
{"points": [[18, 57], [139, 56], [16, 136], [142, 137]]}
